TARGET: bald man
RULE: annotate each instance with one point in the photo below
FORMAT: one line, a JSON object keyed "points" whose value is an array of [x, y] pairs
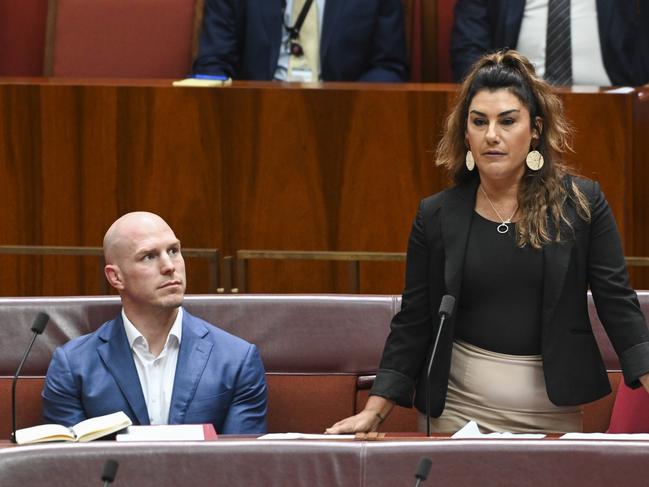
{"points": [[155, 361]]}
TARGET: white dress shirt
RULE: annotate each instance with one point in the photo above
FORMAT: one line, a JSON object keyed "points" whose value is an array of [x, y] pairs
{"points": [[281, 72], [587, 61], [156, 373]]}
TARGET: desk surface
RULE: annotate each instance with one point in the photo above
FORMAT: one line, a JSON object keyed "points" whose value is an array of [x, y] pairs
{"points": [[236, 462]]}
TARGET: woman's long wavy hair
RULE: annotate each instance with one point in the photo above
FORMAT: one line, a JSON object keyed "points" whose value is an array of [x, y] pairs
{"points": [[542, 193]]}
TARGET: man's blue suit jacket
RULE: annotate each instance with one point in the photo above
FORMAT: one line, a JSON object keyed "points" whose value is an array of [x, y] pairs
{"points": [[362, 40], [481, 26], [219, 379]]}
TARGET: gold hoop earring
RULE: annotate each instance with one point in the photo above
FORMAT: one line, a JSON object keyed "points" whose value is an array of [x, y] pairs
{"points": [[534, 160], [469, 161]]}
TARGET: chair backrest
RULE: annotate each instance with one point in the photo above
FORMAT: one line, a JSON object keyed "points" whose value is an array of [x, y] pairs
{"points": [[121, 39], [22, 37], [444, 26], [320, 351], [630, 411], [314, 347], [421, 25]]}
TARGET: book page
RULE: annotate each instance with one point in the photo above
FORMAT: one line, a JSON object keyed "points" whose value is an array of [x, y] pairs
{"points": [[94, 428], [44, 432]]}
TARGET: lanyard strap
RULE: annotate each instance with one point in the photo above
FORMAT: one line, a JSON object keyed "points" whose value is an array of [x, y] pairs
{"points": [[294, 32]]}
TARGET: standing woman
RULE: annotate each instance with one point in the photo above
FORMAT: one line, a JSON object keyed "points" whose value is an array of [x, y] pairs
{"points": [[518, 241]]}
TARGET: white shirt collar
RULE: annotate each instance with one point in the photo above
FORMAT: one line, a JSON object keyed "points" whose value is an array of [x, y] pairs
{"points": [[133, 333]]}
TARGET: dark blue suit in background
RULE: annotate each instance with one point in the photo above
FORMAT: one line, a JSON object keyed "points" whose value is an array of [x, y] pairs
{"points": [[485, 25], [361, 40], [219, 379]]}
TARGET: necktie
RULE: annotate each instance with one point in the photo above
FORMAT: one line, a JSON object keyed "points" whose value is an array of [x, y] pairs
{"points": [[307, 66], [558, 50]]}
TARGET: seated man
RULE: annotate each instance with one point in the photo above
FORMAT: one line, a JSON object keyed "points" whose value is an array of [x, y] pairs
{"points": [[333, 40], [155, 361], [585, 42]]}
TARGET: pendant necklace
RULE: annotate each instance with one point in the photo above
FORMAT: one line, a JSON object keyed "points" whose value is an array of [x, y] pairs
{"points": [[504, 226]]}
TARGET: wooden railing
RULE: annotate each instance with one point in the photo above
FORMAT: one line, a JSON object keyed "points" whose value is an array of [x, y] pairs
{"points": [[354, 259], [221, 270]]}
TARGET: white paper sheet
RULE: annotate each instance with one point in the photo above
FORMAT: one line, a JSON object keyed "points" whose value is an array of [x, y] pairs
{"points": [[471, 430], [605, 436]]}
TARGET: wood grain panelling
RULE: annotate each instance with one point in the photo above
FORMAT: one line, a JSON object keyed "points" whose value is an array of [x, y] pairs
{"points": [[638, 176], [257, 166], [603, 143]]}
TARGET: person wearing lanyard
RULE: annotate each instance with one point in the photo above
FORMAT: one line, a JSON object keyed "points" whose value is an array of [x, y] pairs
{"points": [[303, 40]]}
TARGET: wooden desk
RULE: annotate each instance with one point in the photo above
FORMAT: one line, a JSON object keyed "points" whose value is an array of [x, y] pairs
{"points": [[340, 166]]}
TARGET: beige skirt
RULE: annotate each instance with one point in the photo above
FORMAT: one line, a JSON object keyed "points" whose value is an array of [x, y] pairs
{"points": [[501, 393]]}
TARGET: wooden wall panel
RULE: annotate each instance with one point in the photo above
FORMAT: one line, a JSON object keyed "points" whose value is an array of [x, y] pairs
{"points": [[257, 166], [603, 143], [638, 176]]}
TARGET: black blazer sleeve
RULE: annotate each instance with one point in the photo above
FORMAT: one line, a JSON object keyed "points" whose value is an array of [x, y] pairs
{"points": [[616, 302], [412, 327]]}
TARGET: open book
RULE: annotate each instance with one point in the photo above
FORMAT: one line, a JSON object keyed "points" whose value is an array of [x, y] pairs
{"points": [[87, 430]]}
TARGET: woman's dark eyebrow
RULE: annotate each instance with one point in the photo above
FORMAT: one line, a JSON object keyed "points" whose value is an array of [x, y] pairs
{"points": [[502, 114]]}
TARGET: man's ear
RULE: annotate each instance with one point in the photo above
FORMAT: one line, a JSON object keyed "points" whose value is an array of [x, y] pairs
{"points": [[114, 276]]}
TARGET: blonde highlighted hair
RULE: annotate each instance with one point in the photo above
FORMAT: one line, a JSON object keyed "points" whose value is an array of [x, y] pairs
{"points": [[541, 193]]}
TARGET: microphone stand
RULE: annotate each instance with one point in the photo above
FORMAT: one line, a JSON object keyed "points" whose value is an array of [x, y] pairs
{"points": [[38, 327], [445, 310]]}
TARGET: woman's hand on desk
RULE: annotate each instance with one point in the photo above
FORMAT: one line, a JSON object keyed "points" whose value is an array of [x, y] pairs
{"points": [[369, 419], [363, 422]]}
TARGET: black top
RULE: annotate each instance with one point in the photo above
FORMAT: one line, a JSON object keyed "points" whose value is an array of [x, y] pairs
{"points": [[500, 300]]}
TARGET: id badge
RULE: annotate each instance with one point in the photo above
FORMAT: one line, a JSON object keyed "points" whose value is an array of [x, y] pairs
{"points": [[302, 75]]}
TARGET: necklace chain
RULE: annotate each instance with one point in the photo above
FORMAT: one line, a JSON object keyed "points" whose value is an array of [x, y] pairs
{"points": [[504, 226]]}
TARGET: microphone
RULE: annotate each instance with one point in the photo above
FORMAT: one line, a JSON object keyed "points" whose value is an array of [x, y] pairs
{"points": [[445, 310], [38, 327], [109, 472], [423, 469]]}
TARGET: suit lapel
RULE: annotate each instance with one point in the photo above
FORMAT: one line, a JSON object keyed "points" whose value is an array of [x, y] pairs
{"points": [[192, 359], [604, 18], [332, 11], [456, 222], [556, 258], [118, 359], [512, 12], [273, 24]]}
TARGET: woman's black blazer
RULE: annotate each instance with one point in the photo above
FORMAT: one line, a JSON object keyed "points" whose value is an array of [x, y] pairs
{"points": [[589, 255]]}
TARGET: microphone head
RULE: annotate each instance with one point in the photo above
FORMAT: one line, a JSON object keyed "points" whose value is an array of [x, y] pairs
{"points": [[110, 470], [447, 305], [40, 322], [423, 469]]}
